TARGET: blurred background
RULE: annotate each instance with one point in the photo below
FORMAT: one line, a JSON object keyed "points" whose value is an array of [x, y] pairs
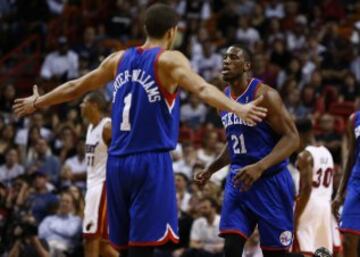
{"points": [[308, 50]]}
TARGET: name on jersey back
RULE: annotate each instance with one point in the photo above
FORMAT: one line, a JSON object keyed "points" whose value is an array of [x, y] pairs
{"points": [[140, 76]]}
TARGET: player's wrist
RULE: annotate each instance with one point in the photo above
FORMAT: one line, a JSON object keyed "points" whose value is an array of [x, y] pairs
{"points": [[34, 103]]}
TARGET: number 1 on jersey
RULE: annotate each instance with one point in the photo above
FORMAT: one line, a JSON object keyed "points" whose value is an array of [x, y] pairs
{"points": [[125, 124]]}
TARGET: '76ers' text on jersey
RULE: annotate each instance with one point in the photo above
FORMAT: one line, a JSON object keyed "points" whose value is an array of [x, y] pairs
{"points": [[249, 144], [145, 117]]}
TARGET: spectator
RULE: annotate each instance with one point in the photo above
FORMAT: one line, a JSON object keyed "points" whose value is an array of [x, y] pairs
{"points": [[11, 169], [41, 201], [88, 50], [274, 9], [46, 161], [62, 64], [193, 113], [246, 34], [181, 183], [74, 170], [37, 120], [62, 230], [7, 99], [65, 144], [204, 237], [207, 153], [209, 63], [329, 137], [350, 91], [119, 22], [7, 135]]}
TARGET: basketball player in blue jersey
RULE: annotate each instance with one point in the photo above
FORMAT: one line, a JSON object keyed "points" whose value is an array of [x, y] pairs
{"points": [[350, 186], [145, 118], [259, 189]]}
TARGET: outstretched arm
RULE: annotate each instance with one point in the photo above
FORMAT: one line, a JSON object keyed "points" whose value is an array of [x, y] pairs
{"points": [[339, 199], [305, 165], [70, 90], [182, 75]]}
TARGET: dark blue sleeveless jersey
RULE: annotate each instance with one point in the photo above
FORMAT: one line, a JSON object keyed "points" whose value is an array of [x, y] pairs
{"points": [[249, 144], [145, 117], [356, 168]]}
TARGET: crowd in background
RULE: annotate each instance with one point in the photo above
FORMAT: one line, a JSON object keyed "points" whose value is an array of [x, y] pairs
{"points": [[308, 50]]}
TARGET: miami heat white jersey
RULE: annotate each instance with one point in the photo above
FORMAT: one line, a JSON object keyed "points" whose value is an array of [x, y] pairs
{"points": [[323, 171], [96, 154]]}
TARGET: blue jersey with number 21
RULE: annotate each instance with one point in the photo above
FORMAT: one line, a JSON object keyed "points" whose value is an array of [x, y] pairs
{"points": [[145, 117], [249, 144]]}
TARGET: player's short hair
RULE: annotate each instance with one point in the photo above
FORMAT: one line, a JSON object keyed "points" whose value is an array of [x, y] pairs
{"points": [[99, 99], [304, 125], [159, 18], [246, 52]]}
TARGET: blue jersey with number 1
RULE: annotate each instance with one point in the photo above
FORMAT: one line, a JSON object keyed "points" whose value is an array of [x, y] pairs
{"points": [[249, 144], [145, 117]]}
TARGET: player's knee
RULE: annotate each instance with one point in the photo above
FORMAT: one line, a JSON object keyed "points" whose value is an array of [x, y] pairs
{"points": [[234, 245]]}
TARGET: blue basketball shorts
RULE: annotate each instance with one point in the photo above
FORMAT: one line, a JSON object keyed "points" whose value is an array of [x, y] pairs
{"points": [[350, 217], [141, 199], [269, 204]]}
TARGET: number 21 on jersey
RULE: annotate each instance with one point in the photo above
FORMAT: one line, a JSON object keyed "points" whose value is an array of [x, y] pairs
{"points": [[238, 144]]}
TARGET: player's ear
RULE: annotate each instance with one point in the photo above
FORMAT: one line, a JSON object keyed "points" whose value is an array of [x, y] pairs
{"points": [[247, 66]]}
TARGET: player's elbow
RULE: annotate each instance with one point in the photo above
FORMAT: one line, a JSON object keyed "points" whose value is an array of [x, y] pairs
{"points": [[295, 141]]}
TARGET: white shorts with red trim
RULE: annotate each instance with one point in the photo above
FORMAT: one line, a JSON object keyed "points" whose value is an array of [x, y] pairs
{"points": [[315, 227], [95, 217]]}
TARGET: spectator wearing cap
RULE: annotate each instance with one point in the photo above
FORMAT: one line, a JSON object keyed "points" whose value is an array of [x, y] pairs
{"points": [[41, 201], [61, 64], [11, 169]]}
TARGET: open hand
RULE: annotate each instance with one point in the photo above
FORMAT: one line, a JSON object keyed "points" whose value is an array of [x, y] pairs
{"points": [[25, 106], [251, 112], [246, 176]]}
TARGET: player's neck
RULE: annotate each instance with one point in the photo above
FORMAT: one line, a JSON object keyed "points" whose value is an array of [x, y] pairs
{"points": [[240, 85], [95, 119], [152, 43]]}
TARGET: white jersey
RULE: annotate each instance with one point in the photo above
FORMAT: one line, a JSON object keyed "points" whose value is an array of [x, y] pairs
{"points": [[96, 154], [323, 171], [316, 222]]}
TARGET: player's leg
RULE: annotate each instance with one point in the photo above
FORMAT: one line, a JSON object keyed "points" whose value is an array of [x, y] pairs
{"points": [[153, 211], [237, 221], [92, 247], [118, 183], [107, 250], [273, 204], [350, 245], [94, 217], [350, 219], [234, 245]]}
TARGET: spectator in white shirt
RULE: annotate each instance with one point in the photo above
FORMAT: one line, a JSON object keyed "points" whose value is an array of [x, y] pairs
{"points": [[62, 64], [204, 237], [274, 9], [181, 183], [246, 34], [75, 167], [11, 169], [209, 63], [62, 231], [193, 114]]}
